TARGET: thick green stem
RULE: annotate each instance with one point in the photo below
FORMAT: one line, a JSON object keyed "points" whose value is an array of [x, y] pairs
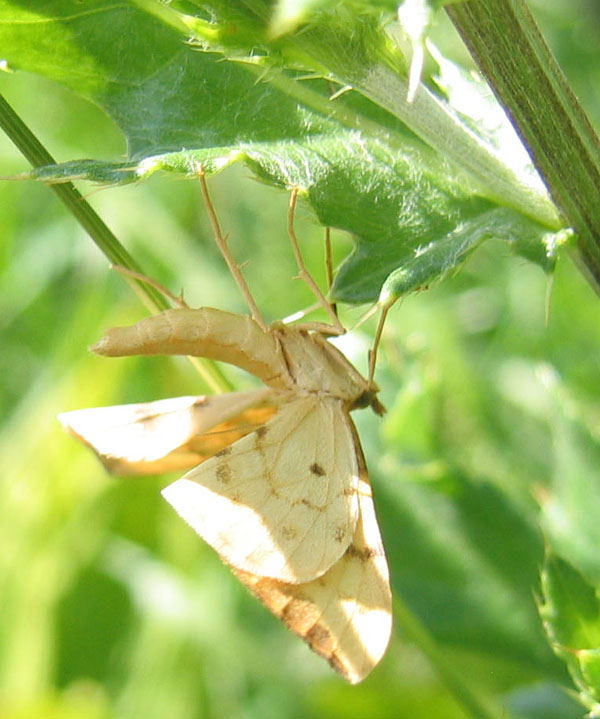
{"points": [[506, 44], [108, 244]]}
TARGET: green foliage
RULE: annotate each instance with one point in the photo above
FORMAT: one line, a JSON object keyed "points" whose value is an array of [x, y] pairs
{"points": [[109, 606], [570, 511], [359, 167], [571, 613], [436, 259]]}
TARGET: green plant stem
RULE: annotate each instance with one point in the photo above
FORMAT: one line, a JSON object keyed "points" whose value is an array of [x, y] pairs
{"points": [[506, 44], [109, 245], [413, 630], [104, 239]]}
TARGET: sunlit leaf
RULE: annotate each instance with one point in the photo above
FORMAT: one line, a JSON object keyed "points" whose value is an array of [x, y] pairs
{"points": [[183, 104]]}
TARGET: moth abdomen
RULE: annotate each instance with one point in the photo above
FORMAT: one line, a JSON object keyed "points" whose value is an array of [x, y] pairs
{"points": [[204, 332]]}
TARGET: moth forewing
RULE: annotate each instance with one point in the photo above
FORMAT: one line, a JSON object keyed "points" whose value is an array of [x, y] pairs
{"points": [[169, 434], [282, 501]]}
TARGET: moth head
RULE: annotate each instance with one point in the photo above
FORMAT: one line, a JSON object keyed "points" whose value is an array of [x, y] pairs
{"points": [[368, 398]]}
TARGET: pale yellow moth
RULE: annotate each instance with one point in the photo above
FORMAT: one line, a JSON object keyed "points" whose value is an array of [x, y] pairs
{"points": [[280, 489]]}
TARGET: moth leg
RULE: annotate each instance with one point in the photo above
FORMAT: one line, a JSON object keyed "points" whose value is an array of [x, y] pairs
{"points": [[329, 266], [178, 301], [328, 259], [336, 326], [300, 314], [221, 241], [373, 351]]}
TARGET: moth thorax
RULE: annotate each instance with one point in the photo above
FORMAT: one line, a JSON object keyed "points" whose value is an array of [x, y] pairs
{"points": [[314, 365]]}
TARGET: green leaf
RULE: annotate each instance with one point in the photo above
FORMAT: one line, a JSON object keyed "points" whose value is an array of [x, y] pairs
{"points": [[542, 700], [571, 614], [358, 166], [466, 561], [434, 260]]}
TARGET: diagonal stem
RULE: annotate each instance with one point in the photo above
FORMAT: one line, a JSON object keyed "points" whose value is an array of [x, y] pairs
{"points": [[100, 234], [105, 240]]}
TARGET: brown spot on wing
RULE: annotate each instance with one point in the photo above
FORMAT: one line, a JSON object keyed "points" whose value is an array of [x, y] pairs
{"points": [[223, 473], [339, 534], [317, 469], [289, 532], [223, 452], [307, 503], [364, 555], [259, 436], [338, 665], [318, 637], [295, 614]]}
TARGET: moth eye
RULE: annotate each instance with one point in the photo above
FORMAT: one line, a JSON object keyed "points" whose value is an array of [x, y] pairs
{"points": [[363, 400], [368, 398]]}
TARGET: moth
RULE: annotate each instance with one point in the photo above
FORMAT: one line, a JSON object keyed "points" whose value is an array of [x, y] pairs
{"points": [[279, 486]]}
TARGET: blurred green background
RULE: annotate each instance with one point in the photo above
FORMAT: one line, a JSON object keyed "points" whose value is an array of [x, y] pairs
{"points": [[111, 607]]}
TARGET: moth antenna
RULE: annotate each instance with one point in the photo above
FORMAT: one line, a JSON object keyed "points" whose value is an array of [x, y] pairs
{"points": [[305, 275], [221, 241], [300, 314], [179, 301]]}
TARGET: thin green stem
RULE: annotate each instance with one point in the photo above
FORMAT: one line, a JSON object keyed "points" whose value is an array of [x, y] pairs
{"points": [[506, 44], [109, 245], [415, 631]]}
